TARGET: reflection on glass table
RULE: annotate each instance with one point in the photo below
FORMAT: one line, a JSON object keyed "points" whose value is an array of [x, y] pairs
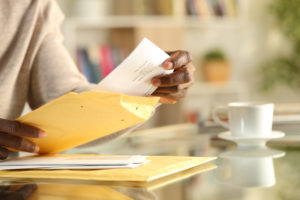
{"points": [[242, 174], [45, 191], [283, 172], [35, 188], [248, 167]]}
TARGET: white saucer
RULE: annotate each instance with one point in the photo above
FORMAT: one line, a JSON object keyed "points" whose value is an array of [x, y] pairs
{"points": [[252, 153], [251, 141]]}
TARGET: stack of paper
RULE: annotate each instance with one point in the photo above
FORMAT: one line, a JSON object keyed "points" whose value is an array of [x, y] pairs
{"points": [[73, 162], [158, 167]]}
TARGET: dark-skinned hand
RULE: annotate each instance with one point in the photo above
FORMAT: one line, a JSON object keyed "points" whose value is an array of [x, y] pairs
{"points": [[172, 87], [12, 135], [23, 192]]}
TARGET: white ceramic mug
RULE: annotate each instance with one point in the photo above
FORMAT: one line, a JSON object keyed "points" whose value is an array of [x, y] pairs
{"points": [[246, 119]]}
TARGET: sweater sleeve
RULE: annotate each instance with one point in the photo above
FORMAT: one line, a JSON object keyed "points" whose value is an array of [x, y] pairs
{"points": [[53, 72]]}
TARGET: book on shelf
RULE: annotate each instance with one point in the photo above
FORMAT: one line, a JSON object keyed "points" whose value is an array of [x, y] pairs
{"points": [[97, 61], [218, 7], [84, 64], [146, 7], [106, 59], [191, 8], [179, 8], [164, 7], [202, 8], [121, 7]]}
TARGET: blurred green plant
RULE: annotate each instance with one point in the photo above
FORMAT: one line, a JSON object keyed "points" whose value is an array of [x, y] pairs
{"points": [[284, 69], [214, 54], [287, 175]]}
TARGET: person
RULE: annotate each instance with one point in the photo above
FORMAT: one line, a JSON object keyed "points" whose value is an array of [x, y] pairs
{"points": [[36, 68]]}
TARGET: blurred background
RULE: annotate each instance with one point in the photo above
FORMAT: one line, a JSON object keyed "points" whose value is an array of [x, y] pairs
{"points": [[243, 50]]}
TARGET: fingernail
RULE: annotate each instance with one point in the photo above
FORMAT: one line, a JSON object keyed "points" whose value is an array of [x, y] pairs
{"points": [[167, 101], [156, 82], [172, 101], [36, 149], [42, 134], [168, 65]]}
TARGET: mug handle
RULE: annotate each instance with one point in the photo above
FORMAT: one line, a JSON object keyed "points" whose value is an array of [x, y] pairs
{"points": [[217, 119]]}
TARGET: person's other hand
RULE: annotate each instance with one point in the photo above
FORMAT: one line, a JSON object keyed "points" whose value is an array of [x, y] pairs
{"points": [[21, 193], [11, 135], [174, 86]]}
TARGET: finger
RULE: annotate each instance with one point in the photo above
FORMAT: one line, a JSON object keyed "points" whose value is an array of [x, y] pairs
{"points": [[17, 143], [20, 129], [167, 90], [166, 101], [21, 194], [3, 153], [173, 96], [178, 77], [4, 188], [173, 89], [177, 59]]}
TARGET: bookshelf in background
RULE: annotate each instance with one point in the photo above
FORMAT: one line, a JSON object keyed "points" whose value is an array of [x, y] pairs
{"points": [[135, 19], [164, 22]]}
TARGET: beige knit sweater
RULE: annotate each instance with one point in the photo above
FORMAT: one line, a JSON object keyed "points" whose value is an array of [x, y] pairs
{"points": [[34, 64]]}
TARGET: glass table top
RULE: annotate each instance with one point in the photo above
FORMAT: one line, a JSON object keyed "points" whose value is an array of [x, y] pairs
{"points": [[263, 172]]}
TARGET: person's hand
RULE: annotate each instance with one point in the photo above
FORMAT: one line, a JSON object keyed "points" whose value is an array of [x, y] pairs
{"points": [[11, 135], [174, 86], [23, 192]]}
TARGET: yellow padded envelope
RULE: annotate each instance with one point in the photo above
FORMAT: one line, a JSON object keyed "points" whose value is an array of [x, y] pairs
{"points": [[68, 191], [74, 119], [107, 191], [158, 167]]}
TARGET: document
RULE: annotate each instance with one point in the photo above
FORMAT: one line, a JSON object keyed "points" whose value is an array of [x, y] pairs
{"points": [[73, 162], [133, 76]]}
